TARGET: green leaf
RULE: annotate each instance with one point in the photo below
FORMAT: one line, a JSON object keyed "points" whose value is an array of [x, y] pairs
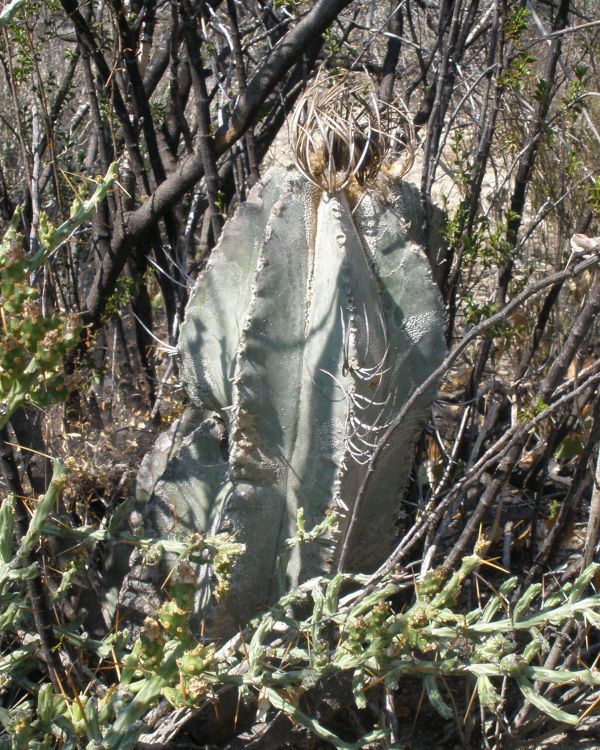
{"points": [[487, 693], [571, 447], [525, 601], [276, 700], [435, 697], [42, 511], [496, 602], [358, 689], [582, 582], [7, 512], [544, 704]]}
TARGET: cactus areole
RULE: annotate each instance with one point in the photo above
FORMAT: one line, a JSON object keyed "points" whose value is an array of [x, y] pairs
{"points": [[313, 322]]}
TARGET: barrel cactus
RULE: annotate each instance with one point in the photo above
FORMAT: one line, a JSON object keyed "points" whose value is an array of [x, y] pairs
{"points": [[314, 320]]}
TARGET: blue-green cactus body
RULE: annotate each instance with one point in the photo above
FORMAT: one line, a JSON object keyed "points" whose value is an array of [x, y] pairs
{"points": [[312, 324], [216, 313]]}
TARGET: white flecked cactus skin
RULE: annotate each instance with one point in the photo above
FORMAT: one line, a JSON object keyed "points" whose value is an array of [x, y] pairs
{"points": [[312, 323]]}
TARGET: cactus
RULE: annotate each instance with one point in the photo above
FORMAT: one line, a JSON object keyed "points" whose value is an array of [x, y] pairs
{"points": [[311, 325]]}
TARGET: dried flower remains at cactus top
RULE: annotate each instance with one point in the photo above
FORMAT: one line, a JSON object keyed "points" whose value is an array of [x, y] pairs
{"points": [[342, 131]]}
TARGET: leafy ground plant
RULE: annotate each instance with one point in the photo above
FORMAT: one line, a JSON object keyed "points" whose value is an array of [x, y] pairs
{"points": [[311, 634], [35, 342]]}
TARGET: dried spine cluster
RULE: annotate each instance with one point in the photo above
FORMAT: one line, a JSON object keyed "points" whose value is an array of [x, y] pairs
{"points": [[342, 132]]}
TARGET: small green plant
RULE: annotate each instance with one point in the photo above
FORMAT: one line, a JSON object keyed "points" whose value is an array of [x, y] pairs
{"points": [[542, 91], [594, 196], [474, 311], [121, 297], [166, 660], [536, 408], [574, 164], [520, 66], [462, 166], [332, 44], [34, 343], [577, 89], [515, 77], [281, 653], [516, 23], [553, 510]]}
